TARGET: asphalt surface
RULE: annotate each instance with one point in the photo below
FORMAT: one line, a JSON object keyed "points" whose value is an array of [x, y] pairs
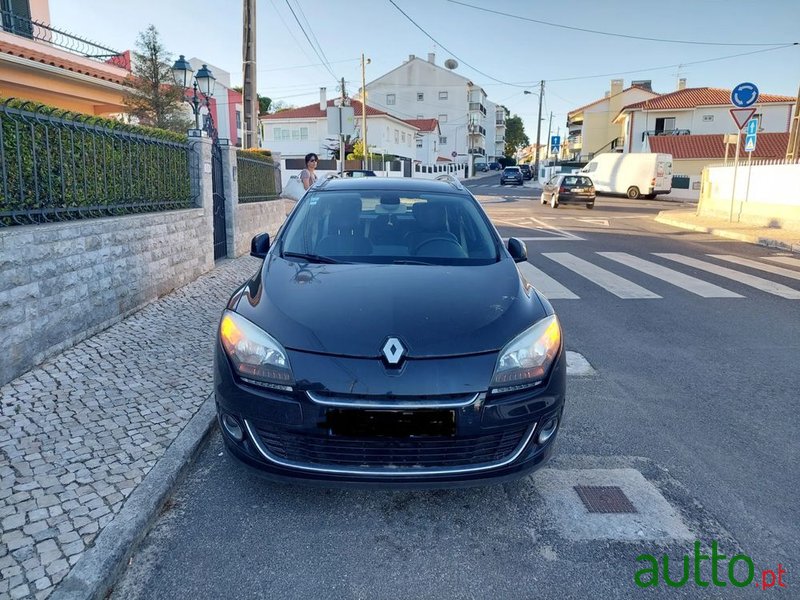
{"points": [[696, 394]]}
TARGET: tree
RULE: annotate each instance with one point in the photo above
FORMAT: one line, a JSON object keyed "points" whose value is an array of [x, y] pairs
{"points": [[515, 136], [152, 96]]}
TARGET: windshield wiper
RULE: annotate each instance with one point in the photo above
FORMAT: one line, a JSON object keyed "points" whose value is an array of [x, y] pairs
{"points": [[410, 262], [312, 258]]}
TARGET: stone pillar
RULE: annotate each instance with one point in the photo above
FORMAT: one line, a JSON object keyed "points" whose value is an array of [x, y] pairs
{"points": [[230, 178], [202, 183]]}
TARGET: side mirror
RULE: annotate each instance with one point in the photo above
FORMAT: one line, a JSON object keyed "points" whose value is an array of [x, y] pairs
{"points": [[518, 250], [259, 246]]}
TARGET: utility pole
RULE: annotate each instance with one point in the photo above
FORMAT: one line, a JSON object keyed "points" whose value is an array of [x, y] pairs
{"points": [[539, 126], [364, 110], [549, 133], [341, 131], [249, 92]]}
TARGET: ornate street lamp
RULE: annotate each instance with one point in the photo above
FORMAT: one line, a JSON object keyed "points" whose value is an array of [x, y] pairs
{"points": [[203, 80]]}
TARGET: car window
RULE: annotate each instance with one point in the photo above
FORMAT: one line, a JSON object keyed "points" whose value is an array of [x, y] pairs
{"points": [[584, 181], [511, 170], [591, 167], [387, 226]]}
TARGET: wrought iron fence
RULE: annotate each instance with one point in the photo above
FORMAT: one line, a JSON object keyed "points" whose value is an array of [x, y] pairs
{"points": [[26, 27], [57, 166], [259, 178]]}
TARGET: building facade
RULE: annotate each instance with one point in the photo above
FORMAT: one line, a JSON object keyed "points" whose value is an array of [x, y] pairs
{"points": [[421, 89], [40, 63]]}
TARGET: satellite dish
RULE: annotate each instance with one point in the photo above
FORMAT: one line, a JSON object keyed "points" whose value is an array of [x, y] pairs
{"points": [[451, 63]]}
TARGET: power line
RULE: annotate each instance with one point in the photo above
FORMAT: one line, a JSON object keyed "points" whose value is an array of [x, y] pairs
{"points": [[300, 25], [311, 31], [286, 26], [682, 64], [308, 65], [612, 34], [429, 36]]}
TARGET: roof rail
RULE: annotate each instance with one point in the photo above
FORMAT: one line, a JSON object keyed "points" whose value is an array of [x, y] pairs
{"points": [[451, 179]]}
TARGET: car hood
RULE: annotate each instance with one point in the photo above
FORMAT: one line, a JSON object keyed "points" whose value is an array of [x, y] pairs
{"points": [[351, 309]]}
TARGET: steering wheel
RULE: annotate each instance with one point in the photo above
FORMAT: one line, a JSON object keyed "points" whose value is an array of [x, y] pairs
{"points": [[439, 239]]}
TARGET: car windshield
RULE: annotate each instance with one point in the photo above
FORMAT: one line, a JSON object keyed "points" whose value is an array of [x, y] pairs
{"points": [[511, 170], [390, 227]]}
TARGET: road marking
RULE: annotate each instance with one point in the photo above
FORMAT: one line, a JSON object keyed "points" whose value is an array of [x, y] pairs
{"points": [[542, 225], [756, 282], [619, 286], [603, 222], [549, 287], [757, 265], [785, 260], [681, 280]]}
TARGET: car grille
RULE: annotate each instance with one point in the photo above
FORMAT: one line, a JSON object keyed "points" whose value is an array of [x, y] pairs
{"points": [[319, 448]]}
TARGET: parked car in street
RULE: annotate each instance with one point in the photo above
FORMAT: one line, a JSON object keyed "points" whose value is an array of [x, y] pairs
{"points": [[565, 188], [495, 166], [512, 175], [527, 172], [362, 352], [481, 167], [359, 173]]}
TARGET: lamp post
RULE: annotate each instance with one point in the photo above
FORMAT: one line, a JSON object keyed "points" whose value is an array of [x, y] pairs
{"points": [[203, 80]]}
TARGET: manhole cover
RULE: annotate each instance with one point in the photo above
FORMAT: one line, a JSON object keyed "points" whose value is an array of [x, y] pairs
{"points": [[604, 499]]}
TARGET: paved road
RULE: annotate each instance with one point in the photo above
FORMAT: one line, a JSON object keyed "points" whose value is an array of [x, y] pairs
{"points": [[692, 411]]}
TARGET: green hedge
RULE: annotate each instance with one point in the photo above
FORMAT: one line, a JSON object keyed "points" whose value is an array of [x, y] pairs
{"points": [[257, 176], [58, 165]]}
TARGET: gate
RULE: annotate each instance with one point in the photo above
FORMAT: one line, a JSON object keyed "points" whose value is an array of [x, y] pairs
{"points": [[220, 234]]}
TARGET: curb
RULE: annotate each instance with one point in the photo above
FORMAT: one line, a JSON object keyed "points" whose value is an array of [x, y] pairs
{"points": [[94, 575], [728, 234]]}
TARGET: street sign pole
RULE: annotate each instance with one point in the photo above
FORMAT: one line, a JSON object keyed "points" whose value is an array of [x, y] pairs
{"points": [[735, 168]]}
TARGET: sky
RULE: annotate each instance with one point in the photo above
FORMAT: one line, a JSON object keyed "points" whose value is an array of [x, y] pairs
{"points": [[504, 54]]}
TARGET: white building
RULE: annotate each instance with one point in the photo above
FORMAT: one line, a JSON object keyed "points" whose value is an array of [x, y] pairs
{"points": [[298, 131], [420, 89], [696, 111], [427, 140]]}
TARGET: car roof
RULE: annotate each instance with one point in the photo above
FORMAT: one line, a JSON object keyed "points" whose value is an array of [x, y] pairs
{"points": [[407, 184]]}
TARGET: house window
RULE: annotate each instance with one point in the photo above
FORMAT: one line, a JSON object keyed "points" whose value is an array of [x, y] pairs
{"points": [[396, 136], [665, 124], [238, 119], [442, 118], [434, 145], [760, 118], [21, 25], [295, 134], [442, 139], [708, 118], [403, 137], [390, 99], [285, 134], [419, 142], [420, 96], [304, 133], [442, 95]]}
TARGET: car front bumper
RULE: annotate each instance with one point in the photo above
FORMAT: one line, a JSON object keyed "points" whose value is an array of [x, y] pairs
{"points": [[288, 435]]}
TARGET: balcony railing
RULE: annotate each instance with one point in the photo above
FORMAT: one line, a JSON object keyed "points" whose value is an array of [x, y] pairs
{"points": [[477, 130], [34, 30], [477, 106], [500, 122], [575, 142], [650, 132], [480, 151]]}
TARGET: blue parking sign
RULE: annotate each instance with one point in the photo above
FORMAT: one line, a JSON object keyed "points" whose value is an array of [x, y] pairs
{"points": [[555, 143], [752, 127]]}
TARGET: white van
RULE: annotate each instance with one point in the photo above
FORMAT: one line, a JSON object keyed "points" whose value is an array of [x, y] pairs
{"points": [[631, 174]]}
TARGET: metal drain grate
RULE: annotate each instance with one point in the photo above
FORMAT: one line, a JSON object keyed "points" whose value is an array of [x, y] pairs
{"points": [[604, 499]]}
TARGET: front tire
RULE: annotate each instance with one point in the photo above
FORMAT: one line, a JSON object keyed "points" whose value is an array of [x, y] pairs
{"points": [[543, 199], [553, 202], [590, 205], [633, 192]]}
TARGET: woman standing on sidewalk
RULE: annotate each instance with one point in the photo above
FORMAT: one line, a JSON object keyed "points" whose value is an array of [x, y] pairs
{"points": [[308, 176]]}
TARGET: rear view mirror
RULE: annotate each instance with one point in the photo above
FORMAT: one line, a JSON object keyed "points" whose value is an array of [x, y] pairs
{"points": [[259, 246], [518, 250]]}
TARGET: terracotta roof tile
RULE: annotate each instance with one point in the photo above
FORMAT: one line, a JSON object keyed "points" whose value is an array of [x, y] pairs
{"points": [[312, 111], [585, 106], [423, 124], [685, 147], [57, 61], [694, 97]]}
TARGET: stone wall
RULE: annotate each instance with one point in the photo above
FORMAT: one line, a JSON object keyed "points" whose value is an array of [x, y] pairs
{"points": [[63, 282]]}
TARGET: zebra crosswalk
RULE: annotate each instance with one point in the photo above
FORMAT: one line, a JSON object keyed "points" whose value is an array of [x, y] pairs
{"points": [[599, 268]]}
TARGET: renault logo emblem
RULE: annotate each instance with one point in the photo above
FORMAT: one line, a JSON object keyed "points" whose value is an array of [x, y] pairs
{"points": [[393, 351]]}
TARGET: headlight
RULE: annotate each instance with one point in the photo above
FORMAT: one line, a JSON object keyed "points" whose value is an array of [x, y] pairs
{"points": [[256, 356], [525, 361]]}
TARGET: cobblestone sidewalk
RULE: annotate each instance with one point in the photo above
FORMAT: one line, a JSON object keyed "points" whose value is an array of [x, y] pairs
{"points": [[80, 432]]}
